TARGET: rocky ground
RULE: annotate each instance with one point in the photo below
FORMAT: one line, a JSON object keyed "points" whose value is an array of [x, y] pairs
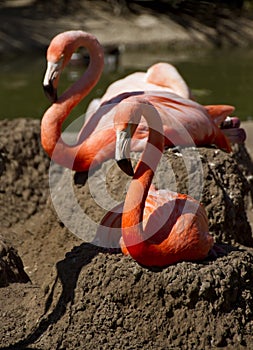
{"points": [[59, 292]]}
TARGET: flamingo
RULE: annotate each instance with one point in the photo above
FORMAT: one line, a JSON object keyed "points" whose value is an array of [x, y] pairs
{"points": [[159, 227], [96, 140]]}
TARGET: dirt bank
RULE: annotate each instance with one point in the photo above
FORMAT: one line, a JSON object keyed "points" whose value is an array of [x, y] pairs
{"points": [[81, 296]]}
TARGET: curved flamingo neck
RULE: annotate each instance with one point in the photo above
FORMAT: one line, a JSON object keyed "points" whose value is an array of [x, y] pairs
{"points": [[166, 75], [51, 125], [89, 79], [132, 227]]}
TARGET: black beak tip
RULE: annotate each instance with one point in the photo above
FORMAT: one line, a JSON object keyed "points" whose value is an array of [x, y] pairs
{"points": [[50, 93], [126, 166]]}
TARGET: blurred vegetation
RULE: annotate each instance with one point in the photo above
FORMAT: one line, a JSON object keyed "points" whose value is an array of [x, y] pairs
{"points": [[217, 20], [121, 7], [208, 12]]}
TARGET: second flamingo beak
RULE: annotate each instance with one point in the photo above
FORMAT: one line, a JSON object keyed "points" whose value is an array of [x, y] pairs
{"points": [[122, 150]]}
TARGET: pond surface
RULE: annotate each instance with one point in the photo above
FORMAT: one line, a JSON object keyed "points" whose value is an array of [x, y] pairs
{"points": [[215, 77]]}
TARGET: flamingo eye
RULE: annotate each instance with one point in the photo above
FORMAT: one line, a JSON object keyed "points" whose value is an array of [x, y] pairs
{"points": [[57, 68], [59, 63]]}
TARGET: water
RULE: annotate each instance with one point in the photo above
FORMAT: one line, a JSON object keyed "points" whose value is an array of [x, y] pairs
{"points": [[215, 76]]}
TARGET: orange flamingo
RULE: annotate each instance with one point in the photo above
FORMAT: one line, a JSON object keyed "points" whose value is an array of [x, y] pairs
{"points": [[96, 141], [158, 228]]}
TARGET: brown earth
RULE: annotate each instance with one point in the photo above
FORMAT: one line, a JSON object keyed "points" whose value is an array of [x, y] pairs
{"points": [[81, 296]]}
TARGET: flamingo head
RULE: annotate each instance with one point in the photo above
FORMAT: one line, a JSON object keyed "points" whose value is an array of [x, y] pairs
{"points": [[126, 120], [51, 80], [58, 55], [122, 150]]}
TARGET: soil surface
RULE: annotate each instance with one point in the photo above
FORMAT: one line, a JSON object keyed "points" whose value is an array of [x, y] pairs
{"points": [[61, 292]]}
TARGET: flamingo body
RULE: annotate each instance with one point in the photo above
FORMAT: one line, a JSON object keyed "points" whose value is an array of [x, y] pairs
{"points": [[158, 228], [183, 233], [168, 218]]}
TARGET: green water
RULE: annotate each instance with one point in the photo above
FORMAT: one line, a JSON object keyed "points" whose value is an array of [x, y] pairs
{"points": [[215, 76]]}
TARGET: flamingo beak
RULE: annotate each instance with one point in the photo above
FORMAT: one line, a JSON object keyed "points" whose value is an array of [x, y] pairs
{"points": [[50, 92], [51, 80], [122, 150]]}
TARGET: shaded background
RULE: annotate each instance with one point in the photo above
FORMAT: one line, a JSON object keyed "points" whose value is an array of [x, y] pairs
{"points": [[210, 42]]}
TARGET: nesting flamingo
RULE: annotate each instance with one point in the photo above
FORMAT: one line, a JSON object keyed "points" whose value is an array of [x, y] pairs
{"points": [[162, 227], [96, 140]]}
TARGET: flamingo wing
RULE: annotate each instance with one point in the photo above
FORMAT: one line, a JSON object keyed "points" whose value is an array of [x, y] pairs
{"points": [[175, 228], [187, 123], [176, 223]]}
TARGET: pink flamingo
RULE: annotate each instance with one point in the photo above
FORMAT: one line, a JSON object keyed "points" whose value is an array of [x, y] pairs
{"points": [[158, 228], [96, 141]]}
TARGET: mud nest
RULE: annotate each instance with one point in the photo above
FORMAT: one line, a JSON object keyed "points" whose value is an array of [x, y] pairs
{"points": [[96, 299]]}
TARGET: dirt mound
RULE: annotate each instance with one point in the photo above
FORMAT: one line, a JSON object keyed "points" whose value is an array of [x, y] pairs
{"points": [[23, 170], [87, 297], [206, 174]]}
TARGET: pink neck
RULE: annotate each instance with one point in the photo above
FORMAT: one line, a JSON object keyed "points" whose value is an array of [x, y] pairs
{"points": [[51, 126], [132, 228]]}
